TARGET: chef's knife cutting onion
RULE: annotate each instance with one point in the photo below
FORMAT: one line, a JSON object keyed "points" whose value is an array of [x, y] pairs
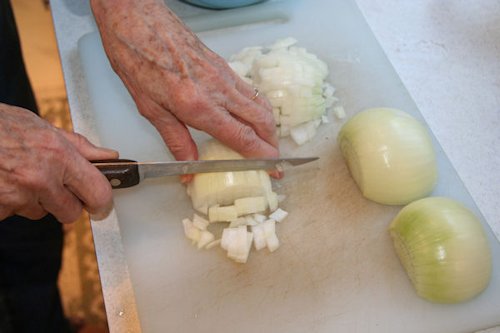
{"points": [[390, 155], [443, 248]]}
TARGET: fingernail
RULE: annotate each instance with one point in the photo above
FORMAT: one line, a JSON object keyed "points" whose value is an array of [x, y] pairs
{"points": [[102, 214], [277, 174], [185, 179]]}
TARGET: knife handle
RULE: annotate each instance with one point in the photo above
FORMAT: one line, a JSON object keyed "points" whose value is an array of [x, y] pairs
{"points": [[119, 176]]}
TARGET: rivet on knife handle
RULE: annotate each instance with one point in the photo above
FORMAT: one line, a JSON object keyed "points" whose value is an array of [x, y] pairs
{"points": [[119, 176]]}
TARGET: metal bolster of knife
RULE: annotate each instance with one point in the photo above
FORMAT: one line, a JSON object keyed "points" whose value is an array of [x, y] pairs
{"points": [[119, 176]]}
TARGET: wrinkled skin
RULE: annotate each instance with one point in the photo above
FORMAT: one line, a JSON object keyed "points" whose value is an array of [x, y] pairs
{"points": [[46, 170], [176, 81]]}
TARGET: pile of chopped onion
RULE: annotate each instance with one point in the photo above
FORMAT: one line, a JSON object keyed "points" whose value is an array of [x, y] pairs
{"points": [[237, 238], [294, 82], [239, 199]]}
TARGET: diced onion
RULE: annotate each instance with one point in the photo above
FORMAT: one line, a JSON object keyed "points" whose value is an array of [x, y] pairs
{"points": [[222, 214], [278, 215], [294, 82], [259, 239], [250, 205], [192, 233], [206, 237], [390, 155], [443, 248], [199, 222]]}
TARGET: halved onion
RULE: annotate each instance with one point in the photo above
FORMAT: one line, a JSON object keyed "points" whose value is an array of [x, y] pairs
{"points": [[223, 188], [390, 155], [443, 248]]}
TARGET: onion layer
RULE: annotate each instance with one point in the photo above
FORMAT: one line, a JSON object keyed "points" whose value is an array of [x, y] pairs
{"points": [[223, 188], [443, 249], [390, 155]]}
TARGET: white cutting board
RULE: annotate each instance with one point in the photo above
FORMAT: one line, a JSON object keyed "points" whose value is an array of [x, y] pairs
{"points": [[336, 270]]}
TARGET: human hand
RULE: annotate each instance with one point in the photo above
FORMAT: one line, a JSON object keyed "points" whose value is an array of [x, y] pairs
{"points": [[46, 170], [176, 81]]}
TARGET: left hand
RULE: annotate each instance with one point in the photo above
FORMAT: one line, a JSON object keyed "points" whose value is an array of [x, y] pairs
{"points": [[176, 80]]}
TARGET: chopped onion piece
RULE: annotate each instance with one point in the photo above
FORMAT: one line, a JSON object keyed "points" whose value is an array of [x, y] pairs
{"points": [[238, 248], [250, 205], [206, 237], [199, 222], [269, 227], [339, 112], [192, 233], [222, 214], [328, 89], [278, 215], [259, 238], [228, 234], [250, 220], [272, 240], [238, 222], [259, 218], [304, 132], [213, 244]]}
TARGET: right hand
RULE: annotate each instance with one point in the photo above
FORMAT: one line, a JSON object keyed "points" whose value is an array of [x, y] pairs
{"points": [[46, 170]]}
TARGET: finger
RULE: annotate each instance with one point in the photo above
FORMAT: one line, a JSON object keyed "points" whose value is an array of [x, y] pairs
{"points": [[238, 136], [256, 110], [89, 186], [61, 203], [173, 132], [250, 91], [88, 149]]}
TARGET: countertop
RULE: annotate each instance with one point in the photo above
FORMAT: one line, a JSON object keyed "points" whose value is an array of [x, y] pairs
{"points": [[447, 53]]}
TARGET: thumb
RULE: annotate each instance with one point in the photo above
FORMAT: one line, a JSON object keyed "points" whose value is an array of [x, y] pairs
{"points": [[88, 149]]}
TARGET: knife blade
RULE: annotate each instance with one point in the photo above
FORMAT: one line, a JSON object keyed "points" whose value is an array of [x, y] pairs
{"points": [[123, 173]]}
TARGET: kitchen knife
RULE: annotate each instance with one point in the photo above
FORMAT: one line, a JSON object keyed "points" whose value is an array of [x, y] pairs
{"points": [[123, 173]]}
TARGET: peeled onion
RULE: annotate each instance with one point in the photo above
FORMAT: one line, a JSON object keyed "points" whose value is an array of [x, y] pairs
{"points": [[443, 248], [390, 155], [223, 188]]}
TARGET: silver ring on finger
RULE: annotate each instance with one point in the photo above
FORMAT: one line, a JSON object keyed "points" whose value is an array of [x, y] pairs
{"points": [[256, 94]]}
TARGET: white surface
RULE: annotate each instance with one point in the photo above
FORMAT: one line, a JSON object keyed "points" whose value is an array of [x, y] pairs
{"points": [[336, 270], [405, 29]]}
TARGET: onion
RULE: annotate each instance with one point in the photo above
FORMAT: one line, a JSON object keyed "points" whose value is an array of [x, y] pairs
{"points": [[443, 249], [294, 82], [390, 155], [208, 190]]}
